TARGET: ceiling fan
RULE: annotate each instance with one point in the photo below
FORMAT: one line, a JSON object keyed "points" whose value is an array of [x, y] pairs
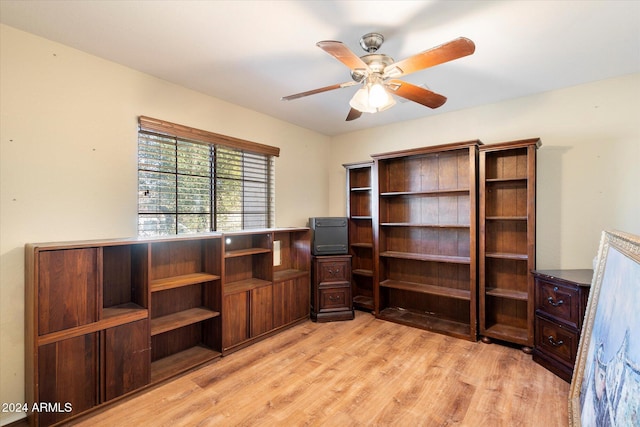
{"points": [[378, 73]]}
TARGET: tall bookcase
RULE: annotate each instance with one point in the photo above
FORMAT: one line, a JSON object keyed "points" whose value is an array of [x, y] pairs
{"points": [[360, 222], [425, 238], [507, 241]]}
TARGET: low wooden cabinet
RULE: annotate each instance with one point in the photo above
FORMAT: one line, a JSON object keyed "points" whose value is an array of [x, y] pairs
{"points": [[266, 284], [561, 301], [106, 318], [331, 294]]}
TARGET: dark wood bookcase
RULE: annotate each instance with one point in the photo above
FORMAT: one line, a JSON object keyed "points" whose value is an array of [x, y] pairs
{"points": [[425, 238], [262, 296], [360, 218], [106, 318], [87, 324], [507, 189]]}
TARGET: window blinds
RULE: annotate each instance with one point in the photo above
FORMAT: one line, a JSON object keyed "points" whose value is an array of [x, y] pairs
{"points": [[193, 186]]}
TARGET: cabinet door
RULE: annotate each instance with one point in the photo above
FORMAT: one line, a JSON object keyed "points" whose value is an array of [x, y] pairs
{"points": [[261, 310], [126, 358], [67, 289], [290, 301], [68, 377], [235, 318]]}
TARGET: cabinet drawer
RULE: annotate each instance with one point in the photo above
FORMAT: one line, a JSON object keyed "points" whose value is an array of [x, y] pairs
{"points": [[556, 340], [334, 271], [334, 298], [560, 302]]}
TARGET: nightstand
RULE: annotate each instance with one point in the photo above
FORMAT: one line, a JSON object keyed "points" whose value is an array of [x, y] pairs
{"points": [[560, 306]]}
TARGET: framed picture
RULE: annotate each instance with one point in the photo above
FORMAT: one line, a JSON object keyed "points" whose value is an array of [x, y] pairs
{"points": [[605, 388]]}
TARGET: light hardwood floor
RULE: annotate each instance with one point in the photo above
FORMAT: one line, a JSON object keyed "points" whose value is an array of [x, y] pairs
{"points": [[354, 373]]}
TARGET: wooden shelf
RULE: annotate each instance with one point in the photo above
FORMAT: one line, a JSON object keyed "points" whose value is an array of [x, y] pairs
{"points": [[507, 293], [180, 281], [409, 224], [128, 312], [515, 179], [290, 274], [425, 321], [362, 272], [503, 255], [506, 218], [362, 245], [456, 192], [179, 362], [246, 252], [182, 318], [427, 289], [244, 285], [508, 333], [112, 317], [363, 302], [426, 257]]}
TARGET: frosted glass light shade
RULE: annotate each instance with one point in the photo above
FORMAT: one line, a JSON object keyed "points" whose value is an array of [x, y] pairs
{"points": [[360, 101], [371, 99], [377, 96]]}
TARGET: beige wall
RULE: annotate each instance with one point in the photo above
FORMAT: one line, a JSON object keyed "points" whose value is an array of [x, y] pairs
{"points": [[588, 165], [68, 160], [69, 163]]}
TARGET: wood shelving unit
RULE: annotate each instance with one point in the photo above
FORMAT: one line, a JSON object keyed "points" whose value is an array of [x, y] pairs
{"points": [[507, 190], [425, 238], [82, 300], [360, 223], [266, 294], [185, 294], [106, 318]]}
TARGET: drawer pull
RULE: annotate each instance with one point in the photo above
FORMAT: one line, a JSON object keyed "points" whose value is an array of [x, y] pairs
{"points": [[553, 342], [334, 298], [554, 303]]}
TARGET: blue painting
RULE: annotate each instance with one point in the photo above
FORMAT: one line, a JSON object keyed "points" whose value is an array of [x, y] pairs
{"points": [[610, 387]]}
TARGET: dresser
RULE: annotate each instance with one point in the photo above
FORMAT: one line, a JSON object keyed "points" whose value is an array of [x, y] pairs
{"points": [[331, 288], [560, 306]]}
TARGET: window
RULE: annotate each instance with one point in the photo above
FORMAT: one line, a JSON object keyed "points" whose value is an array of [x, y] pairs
{"points": [[192, 181]]}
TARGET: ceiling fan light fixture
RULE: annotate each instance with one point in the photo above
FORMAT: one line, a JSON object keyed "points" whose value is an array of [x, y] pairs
{"points": [[372, 98], [360, 101]]}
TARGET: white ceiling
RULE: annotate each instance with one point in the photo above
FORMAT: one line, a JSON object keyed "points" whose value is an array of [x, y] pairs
{"points": [[251, 53]]}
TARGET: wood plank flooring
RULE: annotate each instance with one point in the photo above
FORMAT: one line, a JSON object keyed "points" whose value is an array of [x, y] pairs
{"points": [[354, 373]]}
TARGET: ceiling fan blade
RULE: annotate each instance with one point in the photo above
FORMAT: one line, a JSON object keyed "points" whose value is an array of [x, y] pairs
{"points": [[319, 90], [440, 54], [353, 114], [415, 93], [342, 53]]}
